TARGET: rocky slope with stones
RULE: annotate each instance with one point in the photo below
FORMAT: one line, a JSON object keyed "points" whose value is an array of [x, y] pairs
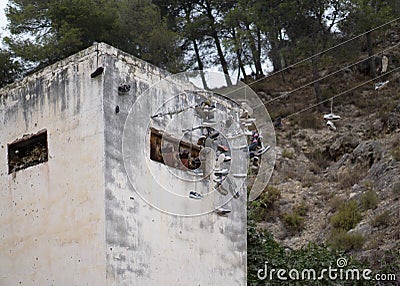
{"points": [[319, 170]]}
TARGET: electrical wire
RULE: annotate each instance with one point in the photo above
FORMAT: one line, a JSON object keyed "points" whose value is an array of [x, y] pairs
{"points": [[340, 94], [320, 53], [331, 74]]}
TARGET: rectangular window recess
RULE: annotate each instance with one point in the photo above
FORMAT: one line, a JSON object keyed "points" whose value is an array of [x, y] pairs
{"points": [[28, 151], [182, 158]]}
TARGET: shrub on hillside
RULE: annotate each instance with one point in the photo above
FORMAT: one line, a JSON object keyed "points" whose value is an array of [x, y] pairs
{"points": [[347, 217], [263, 251], [396, 153], [382, 219], [369, 200], [347, 241]]}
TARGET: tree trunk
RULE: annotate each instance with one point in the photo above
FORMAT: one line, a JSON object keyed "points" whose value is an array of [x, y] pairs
{"points": [[372, 67], [214, 34], [238, 52], [259, 52], [254, 52], [224, 64], [196, 49], [200, 64], [275, 57], [317, 87], [241, 66]]}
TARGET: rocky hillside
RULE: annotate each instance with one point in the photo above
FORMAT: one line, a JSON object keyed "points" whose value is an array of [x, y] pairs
{"points": [[336, 187]]}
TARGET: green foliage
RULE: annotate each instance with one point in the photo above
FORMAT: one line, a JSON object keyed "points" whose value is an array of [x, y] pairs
{"points": [[262, 248], [347, 216], [301, 209], [294, 221], [200, 33], [177, 34], [264, 207], [270, 196], [47, 31], [347, 241], [366, 14], [369, 200], [10, 69]]}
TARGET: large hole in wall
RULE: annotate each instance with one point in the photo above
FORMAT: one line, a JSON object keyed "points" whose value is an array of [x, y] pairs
{"points": [[174, 152], [27, 151]]}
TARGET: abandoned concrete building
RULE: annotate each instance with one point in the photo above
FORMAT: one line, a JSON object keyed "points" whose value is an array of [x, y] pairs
{"points": [[86, 199]]}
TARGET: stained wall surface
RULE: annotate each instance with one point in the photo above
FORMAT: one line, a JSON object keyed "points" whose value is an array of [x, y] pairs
{"points": [[77, 219], [146, 246], [52, 214]]}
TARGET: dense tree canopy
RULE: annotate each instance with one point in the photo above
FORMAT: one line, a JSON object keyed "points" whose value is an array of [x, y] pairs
{"points": [[45, 31], [9, 68], [194, 34]]}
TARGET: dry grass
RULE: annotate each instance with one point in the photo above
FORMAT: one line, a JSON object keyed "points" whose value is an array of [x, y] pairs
{"points": [[287, 154], [349, 179], [320, 161], [395, 152], [334, 203], [347, 241], [309, 120], [396, 189], [381, 220], [369, 200]]}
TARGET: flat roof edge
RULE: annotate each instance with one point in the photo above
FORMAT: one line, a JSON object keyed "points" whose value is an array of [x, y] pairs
{"points": [[96, 49]]}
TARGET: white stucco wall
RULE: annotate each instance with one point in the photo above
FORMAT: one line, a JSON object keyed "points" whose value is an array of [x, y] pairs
{"points": [[52, 214], [76, 219], [146, 246]]}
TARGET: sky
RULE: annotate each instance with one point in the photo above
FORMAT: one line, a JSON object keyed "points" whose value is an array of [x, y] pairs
{"points": [[3, 20], [3, 23]]}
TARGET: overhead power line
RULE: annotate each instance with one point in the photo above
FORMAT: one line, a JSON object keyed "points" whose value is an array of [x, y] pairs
{"points": [[333, 73], [327, 50], [320, 53], [340, 94]]}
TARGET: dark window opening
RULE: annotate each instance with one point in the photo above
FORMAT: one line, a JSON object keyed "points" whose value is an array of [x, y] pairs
{"points": [[173, 152], [27, 151]]}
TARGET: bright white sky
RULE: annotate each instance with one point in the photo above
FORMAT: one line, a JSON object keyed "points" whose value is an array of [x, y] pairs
{"points": [[3, 20]]}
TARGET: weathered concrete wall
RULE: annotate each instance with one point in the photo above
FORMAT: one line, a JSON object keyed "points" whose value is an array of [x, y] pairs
{"points": [[52, 214], [76, 219], [144, 245]]}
